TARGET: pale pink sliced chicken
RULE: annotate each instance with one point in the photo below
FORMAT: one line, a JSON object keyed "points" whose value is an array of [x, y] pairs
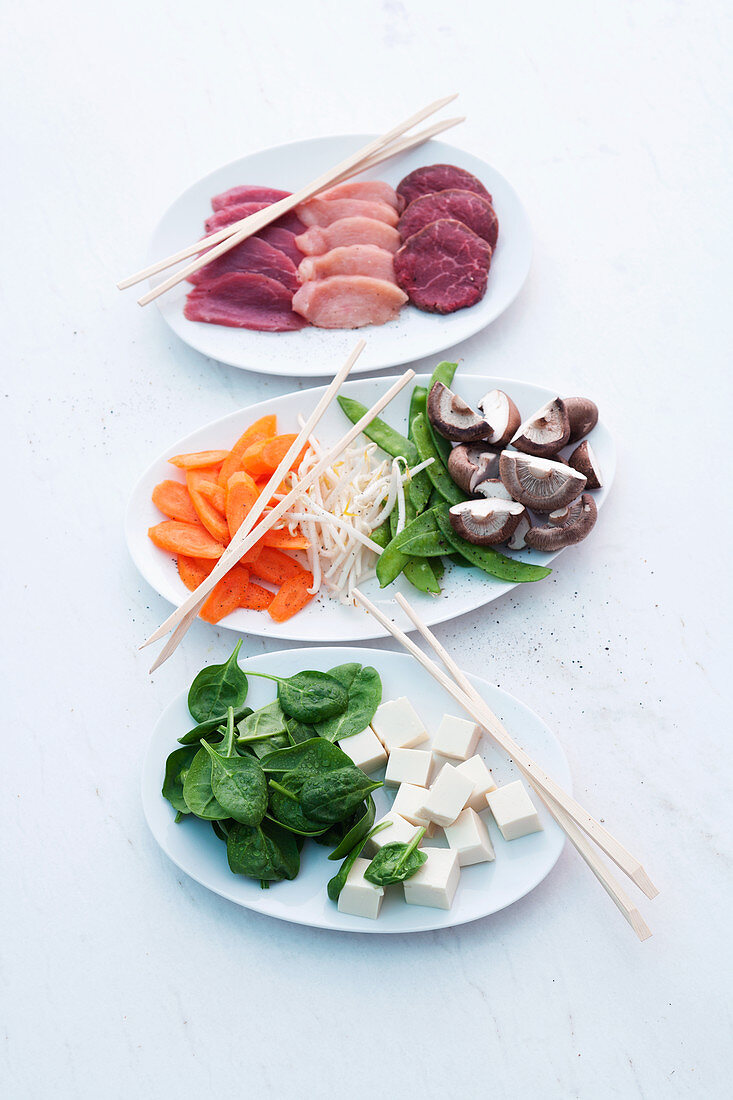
{"points": [[368, 190], [322, 211], [352, 259], [319, 239], [348, 301]]}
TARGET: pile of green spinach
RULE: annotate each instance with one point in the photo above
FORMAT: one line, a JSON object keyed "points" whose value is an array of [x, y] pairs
{"points": [[427, 538]]}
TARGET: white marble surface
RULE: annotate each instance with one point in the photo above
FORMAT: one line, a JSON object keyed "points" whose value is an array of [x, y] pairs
{"points": [[120, 978]]}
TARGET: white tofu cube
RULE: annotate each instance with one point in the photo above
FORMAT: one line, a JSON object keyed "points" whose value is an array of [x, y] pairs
{"points": [[408, 766], [483, 781], [437, 765], [398, 726], [436, 882], [513, 811], [365, 749], [456, 738], [358, 897], [400, 831], [448, 795], [407, 803], [469, 837]]}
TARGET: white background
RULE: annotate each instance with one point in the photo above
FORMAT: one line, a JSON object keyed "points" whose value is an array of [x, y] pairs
{"points": [[120, 977]]}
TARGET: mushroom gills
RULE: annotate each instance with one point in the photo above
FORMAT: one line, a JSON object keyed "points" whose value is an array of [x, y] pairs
{"points": [[492, 487], [567, 526], [546, 432], [583, 460], [453, 418], [502, 416], [540, 483], [486, 522], [517, 541]]}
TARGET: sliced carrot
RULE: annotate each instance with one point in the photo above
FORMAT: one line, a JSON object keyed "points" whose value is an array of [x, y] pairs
{"points": [[190, 539], [233, 591], [193, 571], [214, 494], [252, 460], [256, 598], [198, 459], [275, 450], [241, 494], [264, 428], [212, 519], [276, 567], [291, 598], [283, 540], [173, 499], [252, 555]]}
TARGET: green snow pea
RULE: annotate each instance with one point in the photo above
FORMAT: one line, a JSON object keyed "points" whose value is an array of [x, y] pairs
{"points": [[380, 432], [490, 560], [419, 487], [421, 575], [436, 471]]}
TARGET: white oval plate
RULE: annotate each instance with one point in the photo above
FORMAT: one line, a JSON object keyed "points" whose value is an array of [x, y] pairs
{"points": [[520, 865], [316, 352], [325, 619]]}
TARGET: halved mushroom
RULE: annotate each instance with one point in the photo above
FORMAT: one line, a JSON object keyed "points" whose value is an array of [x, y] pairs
{"points": [[546, 432], [583, 417], [471, 462], [583, 460], [493, 487], [566, 527], [502, 416], [517, 541], [539, 483], [453, 418], [486, 522]]}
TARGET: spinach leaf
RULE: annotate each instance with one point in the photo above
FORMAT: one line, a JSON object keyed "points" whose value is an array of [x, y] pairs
{"points": [[217, 687], [488, 559], [309, 696], [265, 852], [380, 432], [239, 786], [176, 770], [263, 748], [345, 674], [365, 695], [436, 471], [298, 732], [197, 792], [285, 809], [332, 796], [309, 758], [268, 721], [358, 830], [210, 728], [221, 828], [396, 862], [336, 884]]}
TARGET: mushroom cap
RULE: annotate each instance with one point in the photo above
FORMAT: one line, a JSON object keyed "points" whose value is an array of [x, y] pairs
{"points": [[469, 461], [540, 483], [567, 526], [583, 460], [583, 416], [493, 487], [545, 432], [486, 522], [453, 418], [502, 416], [517, 541]]}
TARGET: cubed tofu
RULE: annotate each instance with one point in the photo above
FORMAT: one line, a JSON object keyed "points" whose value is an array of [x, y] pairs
{"points": [[398, 726], [469, 837], [448, 795], [513, 811], [483, 781], [436, 882], [400, 831], [407, 803], [456, 738], [408, 766], [437, 765], [358, 897], [365, 749]]}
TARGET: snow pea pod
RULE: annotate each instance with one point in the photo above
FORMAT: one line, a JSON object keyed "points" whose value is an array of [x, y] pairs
{"points": [[436, 471], [488, 559], [382, 534], [421, 575], [380, 432], [420, 485], [395, 558]]}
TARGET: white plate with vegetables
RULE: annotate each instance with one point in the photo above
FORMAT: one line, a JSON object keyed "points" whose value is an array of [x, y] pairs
{"points": [[298, 882], [461, 588], [313, 352]]}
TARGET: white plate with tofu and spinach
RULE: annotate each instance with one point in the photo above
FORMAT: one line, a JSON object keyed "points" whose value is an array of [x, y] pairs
{"points": [[414, 719]]}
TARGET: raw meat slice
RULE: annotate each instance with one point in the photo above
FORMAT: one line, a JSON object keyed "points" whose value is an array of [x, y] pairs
{"points": [[444, 267], [473, 210], [320, 239], [348, 301], [241, 300], [254, 256], [369, 190], [321, 211], [229, 214], [353, 259], [282, 239], [248, 193], [439, 177]]}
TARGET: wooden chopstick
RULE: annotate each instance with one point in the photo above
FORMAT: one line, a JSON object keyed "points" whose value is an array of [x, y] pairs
{"points": [[403, 146], [256, 221], [485, 717], [188, 610], [614, 890]]}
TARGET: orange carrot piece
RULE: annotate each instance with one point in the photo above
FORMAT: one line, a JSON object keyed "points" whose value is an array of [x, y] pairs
{"points": [[233, 591], [173, 500], [252, 460], [255, 597], [197, 460], [210, 517], [275, 567], [193, 571], [291, 598], [241, 494], [190, 539], [283, 540], [275, 450], [264, 428], [214, 494]]}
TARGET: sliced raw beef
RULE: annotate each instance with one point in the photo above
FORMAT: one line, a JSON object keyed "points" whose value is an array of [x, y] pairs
{"points": [[230, 214], [322, 211], [244, 301], [370, 190], [282, 239], [320, 239], [254, 256], [236, 195], [439, 177], [349, 301], [473, 210], [443, 267], [353, 259]]}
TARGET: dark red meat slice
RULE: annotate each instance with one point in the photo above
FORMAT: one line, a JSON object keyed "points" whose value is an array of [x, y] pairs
{"points": [[444, 267], [244, 301], [473, 210], [256, 257], [249, 193], [282, 239], [229, 214], [439, 177]]}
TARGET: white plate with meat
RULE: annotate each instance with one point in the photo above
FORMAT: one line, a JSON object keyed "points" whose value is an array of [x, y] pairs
{"points": [[485, 888], [325, 618], [317, 352]]}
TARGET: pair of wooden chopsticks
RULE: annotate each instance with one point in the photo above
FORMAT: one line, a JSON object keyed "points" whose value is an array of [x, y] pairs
{"points": [[222, 241], [248, 534], [576, 822]]}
